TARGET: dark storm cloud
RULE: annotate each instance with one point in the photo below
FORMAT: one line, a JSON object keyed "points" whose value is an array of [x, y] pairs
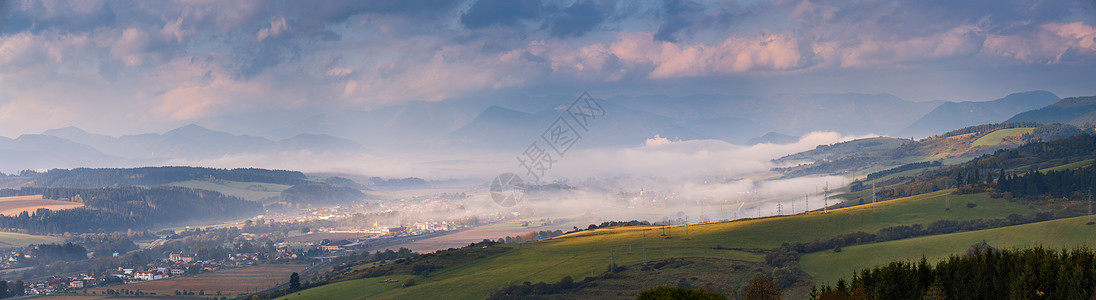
{"points": [[920, 18], [313, 17], [175, 60], [577, 19], [506, 13], [17, 16], [678, 15]]}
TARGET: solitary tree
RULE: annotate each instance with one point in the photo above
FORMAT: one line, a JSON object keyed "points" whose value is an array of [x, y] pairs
{"points": [[763, 288], [294, 281]]}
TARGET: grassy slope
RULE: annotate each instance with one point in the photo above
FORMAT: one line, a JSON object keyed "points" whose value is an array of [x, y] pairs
{"points": [[580, 254], [1070, 166], [11, 239], [236, 188], [996, 137], [829, 266], [352, 289]]}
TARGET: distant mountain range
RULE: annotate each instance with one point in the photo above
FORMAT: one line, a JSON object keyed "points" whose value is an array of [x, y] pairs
{"points": [[955, 115], [73, 147], [481, 126], [1077, 111]]}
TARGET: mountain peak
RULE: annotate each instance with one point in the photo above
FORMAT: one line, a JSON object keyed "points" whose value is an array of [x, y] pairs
{"points": [[70, 130], [194, 131], [189, 128], [1024, 97]]}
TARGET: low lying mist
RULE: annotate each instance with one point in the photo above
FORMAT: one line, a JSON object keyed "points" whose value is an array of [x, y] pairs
{"points": [[659, 179]]}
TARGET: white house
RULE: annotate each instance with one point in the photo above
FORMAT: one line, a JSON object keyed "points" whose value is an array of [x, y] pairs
{"points": [[147, 275]]}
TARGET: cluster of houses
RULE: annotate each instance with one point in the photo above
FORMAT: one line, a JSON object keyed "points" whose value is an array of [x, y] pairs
{"points": [[176, 265]]}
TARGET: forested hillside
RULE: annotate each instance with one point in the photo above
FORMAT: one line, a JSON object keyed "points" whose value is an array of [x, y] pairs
{"points": [[122, 208], [954, 146], [151, 176], [1006, 171]]}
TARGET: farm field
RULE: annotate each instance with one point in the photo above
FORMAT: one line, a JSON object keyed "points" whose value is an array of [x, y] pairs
{"points": [[461, 239], [828, 267], [253, 191], [588, 252], [12, 206], [995, 138], [227, 282], [331, 236], [13, 239], [1070, 166]]}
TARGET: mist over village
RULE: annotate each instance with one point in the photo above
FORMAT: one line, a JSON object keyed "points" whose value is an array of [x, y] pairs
{"points": [[547, 149]]}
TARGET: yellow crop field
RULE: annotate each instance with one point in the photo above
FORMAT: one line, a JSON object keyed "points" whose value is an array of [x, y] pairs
{"points": [[12, 206]]}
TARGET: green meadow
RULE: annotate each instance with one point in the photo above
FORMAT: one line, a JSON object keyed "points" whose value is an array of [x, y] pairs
{"points": [[588, 253]]}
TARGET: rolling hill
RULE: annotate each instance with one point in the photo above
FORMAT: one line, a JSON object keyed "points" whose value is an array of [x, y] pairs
{"points": [[582, 253], [860, 157], [827, 266], [934, 224]]}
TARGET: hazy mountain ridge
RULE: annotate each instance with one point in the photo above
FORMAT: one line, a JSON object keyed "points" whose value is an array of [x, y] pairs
{"points": [[1077, 111], [953, 115], [494, 125]]}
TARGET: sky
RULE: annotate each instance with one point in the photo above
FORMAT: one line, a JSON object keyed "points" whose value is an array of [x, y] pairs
{"points": [[126, 67]]}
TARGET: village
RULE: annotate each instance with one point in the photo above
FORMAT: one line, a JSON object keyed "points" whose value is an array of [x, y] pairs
{"points": [[314, 246]]}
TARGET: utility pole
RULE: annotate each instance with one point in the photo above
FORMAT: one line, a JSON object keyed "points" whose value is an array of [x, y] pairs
{"points": [[612, 261], [873, 191], [1089, 208], [686, 227], [701, 214], [825, 198], [780, 209]]}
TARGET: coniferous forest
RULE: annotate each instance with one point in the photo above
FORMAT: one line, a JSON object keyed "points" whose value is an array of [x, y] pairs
{"points": [[982, 273]]}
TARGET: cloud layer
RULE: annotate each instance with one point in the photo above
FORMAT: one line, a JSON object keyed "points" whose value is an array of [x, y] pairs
{"points": [[125, 66]]}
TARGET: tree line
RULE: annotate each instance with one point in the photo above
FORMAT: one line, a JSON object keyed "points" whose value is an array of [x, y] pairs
{"points": [[531, 236], [983, 273], [789, 253], [1055, 183], [150, 176]]}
